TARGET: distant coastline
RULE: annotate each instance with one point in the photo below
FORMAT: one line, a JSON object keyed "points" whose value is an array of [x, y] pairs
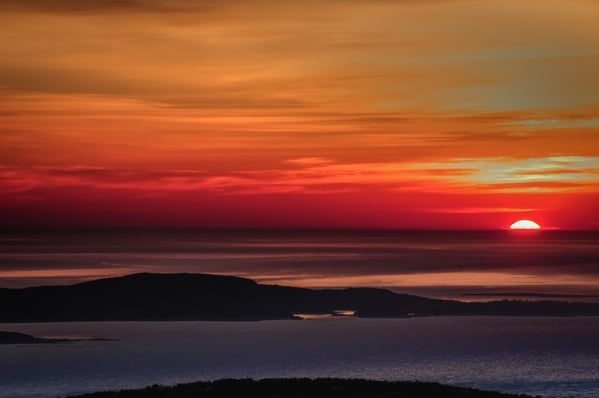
{"points": [[182, 297]]}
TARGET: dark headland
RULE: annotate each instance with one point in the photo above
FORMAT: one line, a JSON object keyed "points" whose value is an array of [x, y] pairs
{"points": [[213, 297], [300, 388], [22, 338]]}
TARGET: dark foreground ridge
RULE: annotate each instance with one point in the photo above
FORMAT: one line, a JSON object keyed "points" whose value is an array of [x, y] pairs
{"points": [[146, 297], [301, 388]]}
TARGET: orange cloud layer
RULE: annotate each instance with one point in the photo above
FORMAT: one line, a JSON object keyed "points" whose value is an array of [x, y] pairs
{"points": [[433, 109]]}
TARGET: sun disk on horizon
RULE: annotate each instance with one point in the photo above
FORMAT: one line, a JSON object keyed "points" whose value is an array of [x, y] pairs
{"points": [[525, 224]]}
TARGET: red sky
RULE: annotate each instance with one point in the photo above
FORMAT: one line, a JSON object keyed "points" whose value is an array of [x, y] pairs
{"points": [[409, 114]]}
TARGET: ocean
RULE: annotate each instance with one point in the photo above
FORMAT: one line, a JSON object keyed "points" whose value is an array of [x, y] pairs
{"points": [[551, 357], [464, 265]]}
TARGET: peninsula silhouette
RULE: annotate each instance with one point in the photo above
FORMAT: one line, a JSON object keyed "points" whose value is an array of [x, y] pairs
{"points": [[165, 297]]}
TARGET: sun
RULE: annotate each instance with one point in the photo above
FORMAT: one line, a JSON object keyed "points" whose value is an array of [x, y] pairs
{"points": [[525, 224]]}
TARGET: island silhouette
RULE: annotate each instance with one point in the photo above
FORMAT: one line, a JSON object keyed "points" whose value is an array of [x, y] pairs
{"points": [[183, 296], [304, 387]]}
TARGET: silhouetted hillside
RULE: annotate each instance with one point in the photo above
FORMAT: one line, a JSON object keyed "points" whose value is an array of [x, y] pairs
{"points": [[213, 297], [301, 388]]}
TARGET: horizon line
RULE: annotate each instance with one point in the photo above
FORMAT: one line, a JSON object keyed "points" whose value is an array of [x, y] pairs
{"points": [[9, 229]]}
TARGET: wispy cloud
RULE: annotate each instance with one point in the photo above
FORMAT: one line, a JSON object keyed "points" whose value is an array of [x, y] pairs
{"points": [[319, 175], [181, 100], [483, 210], [555, 169], [112, 6], [309, 161]]}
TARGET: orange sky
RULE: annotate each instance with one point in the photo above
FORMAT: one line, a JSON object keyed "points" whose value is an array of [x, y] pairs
{"points": [[378, 114]]}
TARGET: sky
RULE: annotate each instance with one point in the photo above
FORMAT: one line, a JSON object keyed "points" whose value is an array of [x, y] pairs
{"points": [[434, 114]]}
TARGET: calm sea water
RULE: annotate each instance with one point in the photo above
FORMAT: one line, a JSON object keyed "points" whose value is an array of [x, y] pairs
{"points": [[490, 264], [553, 357]]}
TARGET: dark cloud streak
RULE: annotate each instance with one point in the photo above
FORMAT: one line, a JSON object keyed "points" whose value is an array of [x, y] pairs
{"points": [[107, 6], [93, 6]]}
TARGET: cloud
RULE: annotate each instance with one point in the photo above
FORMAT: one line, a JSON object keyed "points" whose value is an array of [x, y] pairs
{"points": [[267, 54], [547, 187], [483, 210], [309, 161], [550, 173], [542, 172], [94, 6], [315, 175], [75, 6]]}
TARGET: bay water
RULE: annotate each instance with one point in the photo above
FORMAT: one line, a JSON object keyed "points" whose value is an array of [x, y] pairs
{"points": [[547, 356]]}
